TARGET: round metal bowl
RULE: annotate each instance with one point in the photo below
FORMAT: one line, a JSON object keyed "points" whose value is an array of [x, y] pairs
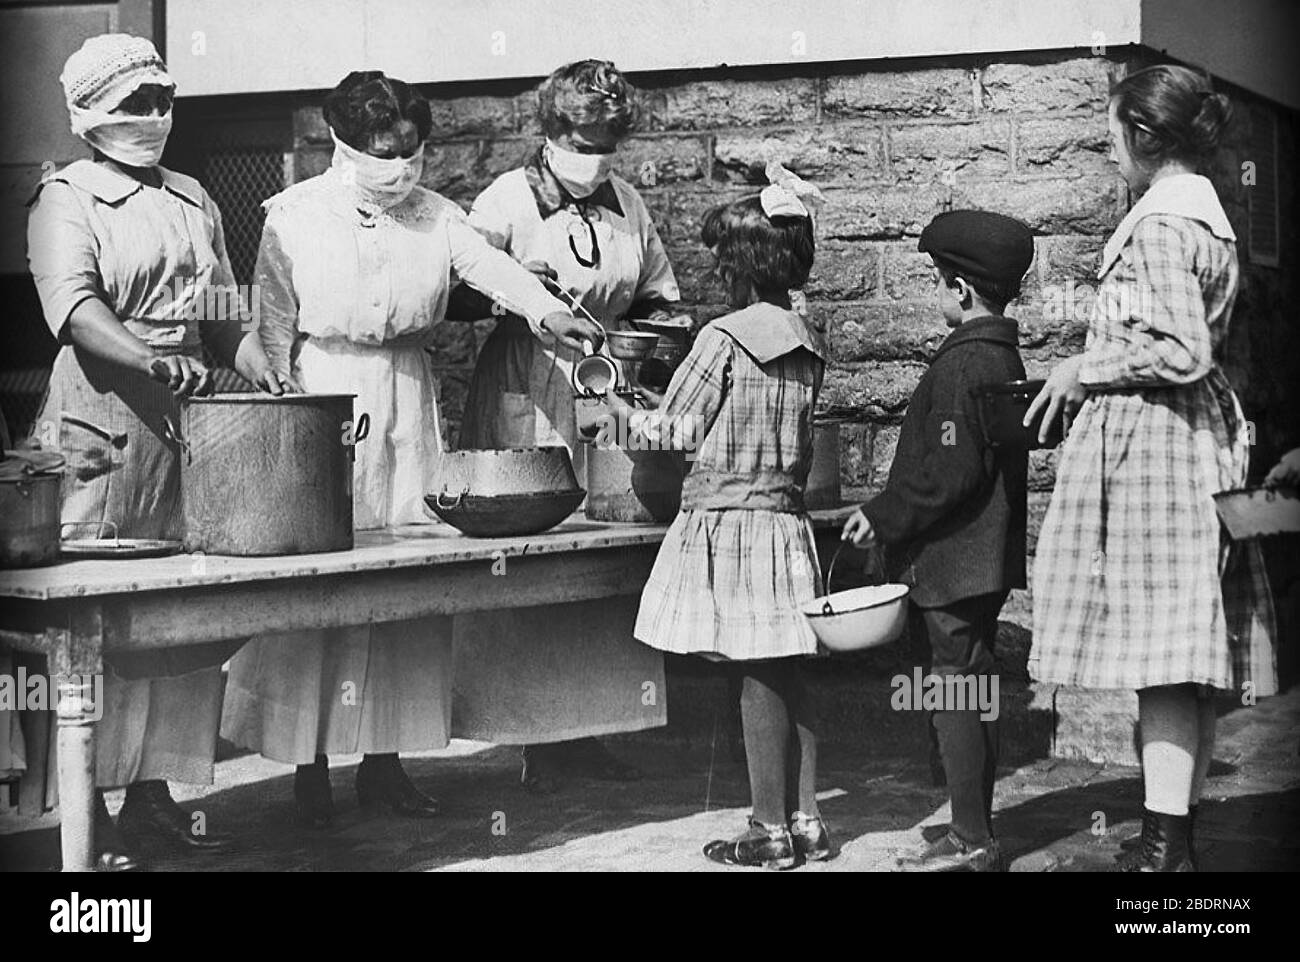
{"points": [[505, 515], [631, 345], [676, 329], [858, 618]]}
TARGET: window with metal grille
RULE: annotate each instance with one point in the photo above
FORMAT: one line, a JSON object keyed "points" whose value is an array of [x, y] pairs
{"points": [[239, 180]]}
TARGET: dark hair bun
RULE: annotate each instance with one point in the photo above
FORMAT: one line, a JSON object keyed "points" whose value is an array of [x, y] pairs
{"points": [[368, 102], [1211, 121], [1171, 112]]}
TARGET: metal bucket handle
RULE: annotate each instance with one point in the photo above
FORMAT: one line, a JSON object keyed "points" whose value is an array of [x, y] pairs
{"points": [[454, 504], [99, 527], [826, 582]]}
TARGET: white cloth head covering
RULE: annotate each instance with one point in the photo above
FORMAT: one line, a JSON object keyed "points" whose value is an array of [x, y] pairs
{"points": [[109, 68]]}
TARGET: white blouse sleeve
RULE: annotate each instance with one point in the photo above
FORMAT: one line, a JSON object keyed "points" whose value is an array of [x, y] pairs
{"points": [[63, 255], [657, 281], [490, 218], [494, 273], [277, 305]]}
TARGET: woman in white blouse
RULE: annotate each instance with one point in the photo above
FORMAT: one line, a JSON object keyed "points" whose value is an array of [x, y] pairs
{"points": [[354, 270], [564, 214]]}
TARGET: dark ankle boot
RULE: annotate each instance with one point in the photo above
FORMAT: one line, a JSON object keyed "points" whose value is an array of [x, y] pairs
{"points": [[383, 783], [110, 851], [1162, 847], [313, 801], [1134, 843], [152, 823]]}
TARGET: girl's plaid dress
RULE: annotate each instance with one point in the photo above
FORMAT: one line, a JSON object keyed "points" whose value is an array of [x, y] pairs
{"points": [[739, 559], [1135, 584]]}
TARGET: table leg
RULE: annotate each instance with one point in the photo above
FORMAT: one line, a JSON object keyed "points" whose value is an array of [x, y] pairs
{"points": [[76, 661]]}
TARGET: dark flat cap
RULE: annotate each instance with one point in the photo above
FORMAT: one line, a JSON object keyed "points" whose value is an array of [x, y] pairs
{"points": [[980, 243]]}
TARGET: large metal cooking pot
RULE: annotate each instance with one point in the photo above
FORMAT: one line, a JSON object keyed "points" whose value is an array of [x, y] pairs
{"points": [[265, 475], [485, 472], [519, 491], [29, 515]]}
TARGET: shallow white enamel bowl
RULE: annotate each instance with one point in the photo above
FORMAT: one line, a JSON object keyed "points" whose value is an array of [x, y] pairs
{"points": [[858, 618]]}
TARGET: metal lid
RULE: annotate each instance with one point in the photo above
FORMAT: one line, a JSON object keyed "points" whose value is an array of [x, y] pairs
{"points": [[259, 397]]}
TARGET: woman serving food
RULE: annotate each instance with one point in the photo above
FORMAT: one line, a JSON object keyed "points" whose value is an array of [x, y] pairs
{"points": [[552, 677], [354, 270], [127, 257]]}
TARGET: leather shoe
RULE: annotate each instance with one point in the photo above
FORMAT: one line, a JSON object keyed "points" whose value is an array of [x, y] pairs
{"points": [[1162, 846], [110, 850], [313, 801], [812, 841], [1135, 843], [383, 783], [765, 846], [952, 854], [152, 823]]}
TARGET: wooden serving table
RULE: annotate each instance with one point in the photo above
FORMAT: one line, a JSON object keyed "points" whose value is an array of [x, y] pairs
{"points": [[76, 611]]}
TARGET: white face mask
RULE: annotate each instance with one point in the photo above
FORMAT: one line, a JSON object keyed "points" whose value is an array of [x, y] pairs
{"points": [[130, 140], [382, 181], [579, 173]]}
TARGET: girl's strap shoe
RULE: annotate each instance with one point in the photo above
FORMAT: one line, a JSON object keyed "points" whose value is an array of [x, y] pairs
{"points": [[812, 840], [765, 846]]}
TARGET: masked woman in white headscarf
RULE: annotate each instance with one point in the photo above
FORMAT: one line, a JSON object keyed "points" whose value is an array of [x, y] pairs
{"points": [[130, 264], [550, 679], [353, 273]]}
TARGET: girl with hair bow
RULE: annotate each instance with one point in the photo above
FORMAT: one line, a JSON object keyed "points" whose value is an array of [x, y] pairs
{"points": [[739, 559]]}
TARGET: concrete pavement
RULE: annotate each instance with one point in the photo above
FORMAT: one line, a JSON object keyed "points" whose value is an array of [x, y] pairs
{"points": [[877, 794]]}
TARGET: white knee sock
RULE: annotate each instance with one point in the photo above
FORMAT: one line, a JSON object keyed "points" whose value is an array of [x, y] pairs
{"points": [[1168, 717]]}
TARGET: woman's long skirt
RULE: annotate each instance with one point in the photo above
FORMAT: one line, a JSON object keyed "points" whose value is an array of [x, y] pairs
{"points": [[375, 688]]}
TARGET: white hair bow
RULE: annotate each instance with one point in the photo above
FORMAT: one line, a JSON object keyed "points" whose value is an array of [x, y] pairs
{"points": [[788, 194]]}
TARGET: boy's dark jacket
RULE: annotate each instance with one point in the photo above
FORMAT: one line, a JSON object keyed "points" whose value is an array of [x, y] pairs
{"points": [[953, 511]]}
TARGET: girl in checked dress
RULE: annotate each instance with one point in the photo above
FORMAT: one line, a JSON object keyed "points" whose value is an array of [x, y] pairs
{"points": [[1135, 584], [739, 559]]}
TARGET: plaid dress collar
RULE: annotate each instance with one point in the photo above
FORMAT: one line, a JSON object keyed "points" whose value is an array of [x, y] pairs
{"points": [[766, 332], [1183, 195], [551, 196]]}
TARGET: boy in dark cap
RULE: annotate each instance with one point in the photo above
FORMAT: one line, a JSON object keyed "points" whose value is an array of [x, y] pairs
{"points": [[952, 514]]}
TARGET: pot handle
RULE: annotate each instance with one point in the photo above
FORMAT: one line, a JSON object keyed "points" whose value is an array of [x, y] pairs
{"points": [[99, 527], [454, 504], [173, 433]]}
